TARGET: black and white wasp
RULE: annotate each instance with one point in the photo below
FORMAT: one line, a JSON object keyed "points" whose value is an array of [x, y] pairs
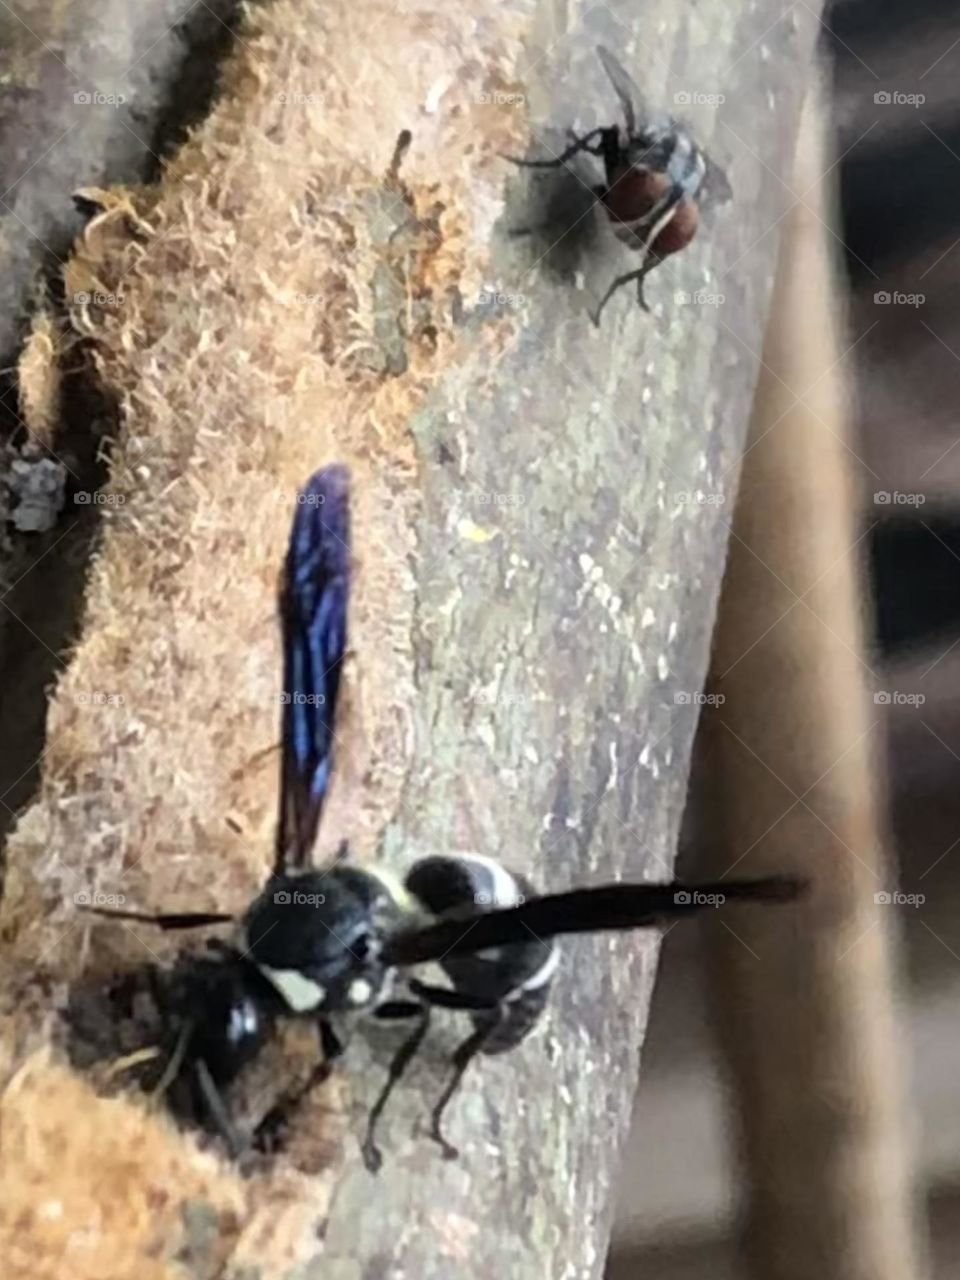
{"points": [[658, 179], [320, 943]]}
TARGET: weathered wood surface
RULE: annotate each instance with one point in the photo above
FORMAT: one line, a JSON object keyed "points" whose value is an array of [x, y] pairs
{"points": [[540, 533]]}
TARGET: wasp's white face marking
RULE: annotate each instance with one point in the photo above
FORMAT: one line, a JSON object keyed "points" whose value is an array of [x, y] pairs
{"points": [[301, 993], [360, 991]]}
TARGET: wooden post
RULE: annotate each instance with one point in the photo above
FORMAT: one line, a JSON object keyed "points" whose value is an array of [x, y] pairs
{"points": [[807, 1012], [535, 582]]}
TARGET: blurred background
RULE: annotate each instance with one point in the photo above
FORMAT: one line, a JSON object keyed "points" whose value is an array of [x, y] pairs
{"points": [[895, 112]]}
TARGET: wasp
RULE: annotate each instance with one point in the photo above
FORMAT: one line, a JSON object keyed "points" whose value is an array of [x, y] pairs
{"points": [[329, 943], [658, 180]]}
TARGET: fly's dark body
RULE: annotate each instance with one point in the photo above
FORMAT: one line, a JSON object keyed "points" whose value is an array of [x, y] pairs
{"points": [[657, 180], [320, 944]]}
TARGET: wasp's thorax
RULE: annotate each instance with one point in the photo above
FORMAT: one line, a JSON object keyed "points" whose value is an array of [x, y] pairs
{"points": [[316, 937]]}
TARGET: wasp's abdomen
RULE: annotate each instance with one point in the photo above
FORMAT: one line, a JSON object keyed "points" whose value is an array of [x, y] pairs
{"points": [[467, 880], [522, 1014], [516, 977]]}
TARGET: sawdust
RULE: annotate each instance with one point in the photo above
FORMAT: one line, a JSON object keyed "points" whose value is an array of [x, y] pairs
{"points": [[96, 1189], [39, 378]]}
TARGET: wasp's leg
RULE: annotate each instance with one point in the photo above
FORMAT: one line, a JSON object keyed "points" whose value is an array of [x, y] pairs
{"points": [[462, 1058], [217, 1108], [448, 998], [372, 1156], [174, 1063], [394, 1010], [271, 1133], [586, 143]]}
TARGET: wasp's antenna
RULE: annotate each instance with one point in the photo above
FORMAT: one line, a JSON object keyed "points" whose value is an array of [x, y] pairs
{"points": [[163, 920]]}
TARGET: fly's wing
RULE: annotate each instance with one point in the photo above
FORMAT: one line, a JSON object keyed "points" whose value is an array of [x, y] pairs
{"points": [[631, 99], [639, 117], [715, 188], [313, 610], [601, 908]]}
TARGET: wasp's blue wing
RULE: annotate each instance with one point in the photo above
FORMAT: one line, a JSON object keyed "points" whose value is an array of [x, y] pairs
{"points": [[313, 609]]}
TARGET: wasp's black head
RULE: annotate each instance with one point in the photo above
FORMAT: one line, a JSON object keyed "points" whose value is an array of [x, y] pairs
{"points": [[223, 1011], [316, 938]]}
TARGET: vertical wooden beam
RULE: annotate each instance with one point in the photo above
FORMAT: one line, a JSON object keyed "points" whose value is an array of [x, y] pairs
{"points": [[807, 1007]]}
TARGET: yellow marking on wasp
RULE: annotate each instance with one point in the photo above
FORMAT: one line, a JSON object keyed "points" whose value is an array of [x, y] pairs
{"points": [[132, 1060]]}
